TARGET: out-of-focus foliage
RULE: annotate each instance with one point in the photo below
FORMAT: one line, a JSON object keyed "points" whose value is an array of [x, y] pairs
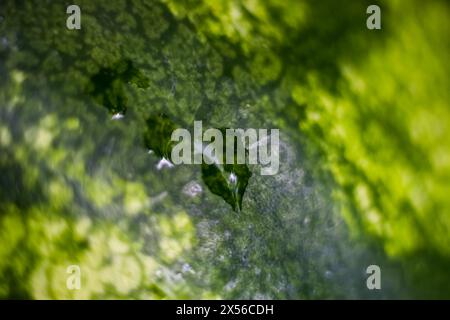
{"points": [[384, 138], [384, 134], [364, 119]]}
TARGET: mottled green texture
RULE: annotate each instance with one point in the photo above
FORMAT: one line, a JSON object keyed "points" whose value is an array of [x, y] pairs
{"points": [[108, 85], [157, 137], [364, 154]]}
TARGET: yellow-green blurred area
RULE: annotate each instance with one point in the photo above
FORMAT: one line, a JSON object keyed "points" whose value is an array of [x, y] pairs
{"points": [[364, 115]]}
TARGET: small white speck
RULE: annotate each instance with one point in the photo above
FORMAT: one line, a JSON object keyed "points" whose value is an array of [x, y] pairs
{"points": [[164, 163], [230, 285], [306, 221], [187, 268], [117, 116], [192, 189]]}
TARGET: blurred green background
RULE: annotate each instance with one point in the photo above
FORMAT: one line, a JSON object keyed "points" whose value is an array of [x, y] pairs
{"points": [[365, 151]]}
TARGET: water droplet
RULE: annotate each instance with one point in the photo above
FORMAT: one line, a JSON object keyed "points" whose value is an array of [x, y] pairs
{"points": [[192, 189], [306, 221], [117, 116], [187, 268], [164, 163], [233, 178], [230, 285]]}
